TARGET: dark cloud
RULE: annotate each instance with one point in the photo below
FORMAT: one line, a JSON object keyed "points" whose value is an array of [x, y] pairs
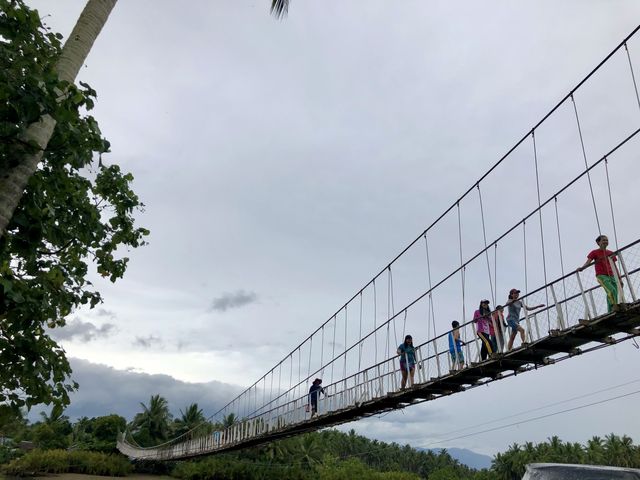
{"points": [[105, 390], [147, 342], [81, 331], [101, 312], [233, 300]]}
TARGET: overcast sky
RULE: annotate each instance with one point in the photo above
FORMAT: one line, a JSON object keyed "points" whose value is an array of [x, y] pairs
{"points": [[284, 163]]}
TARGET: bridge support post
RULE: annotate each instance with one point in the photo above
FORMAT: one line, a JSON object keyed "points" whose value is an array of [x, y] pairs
{"points": [[535, 322], [435, 352], [528, 322], [559, 313], [616, 275], [365, 392], [593, 303], [587, 310], [394, 380], [420, 366], [626, 275]]}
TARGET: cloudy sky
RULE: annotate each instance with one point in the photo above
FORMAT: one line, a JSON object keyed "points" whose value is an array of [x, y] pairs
{"points": [[284, 163]]}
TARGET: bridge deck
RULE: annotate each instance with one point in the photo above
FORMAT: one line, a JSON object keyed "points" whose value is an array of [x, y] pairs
{"points": [[606, 329]]}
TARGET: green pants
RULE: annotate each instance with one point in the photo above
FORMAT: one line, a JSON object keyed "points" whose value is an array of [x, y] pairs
{"points": [[610, 287]]}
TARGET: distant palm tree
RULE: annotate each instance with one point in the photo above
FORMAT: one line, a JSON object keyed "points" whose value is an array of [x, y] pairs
{"points": [[191, 420], [595, 451], [308, 451], [152, 424], [229, 420], [55, 416]]}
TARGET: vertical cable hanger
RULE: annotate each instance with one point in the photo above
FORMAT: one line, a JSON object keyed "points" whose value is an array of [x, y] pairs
{"points": [[633, 77], [564, 285], [271, 386], [375, 323], [486, 251], [310, 352], [462, 266], [279, 378], [391, 311], [360, 345], [430, 311], [613, 217], [387, 351], [586, 165], [524, 238], [404, 324], [322, 354], [299, 367], [344, 370], [333, 353], [544, 259], [495, 268], [290, 373]]}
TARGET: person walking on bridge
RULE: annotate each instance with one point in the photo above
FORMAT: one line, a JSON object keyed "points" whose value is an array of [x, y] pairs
{"points": [[606, 270], [482, 319], [455, 346], [407, 361], [314, 393], [514, 305]]}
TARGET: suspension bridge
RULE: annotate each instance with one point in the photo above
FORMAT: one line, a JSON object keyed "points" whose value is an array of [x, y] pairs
{"points": [[561, 185]]}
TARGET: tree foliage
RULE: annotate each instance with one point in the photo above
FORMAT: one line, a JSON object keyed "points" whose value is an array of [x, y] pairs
{"points": [[191, 421], [152, 425], [77, 212], [613, 451], [98, 434]]}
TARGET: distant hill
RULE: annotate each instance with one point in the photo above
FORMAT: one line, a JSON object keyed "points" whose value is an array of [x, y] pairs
{"points": [[466, 457]]}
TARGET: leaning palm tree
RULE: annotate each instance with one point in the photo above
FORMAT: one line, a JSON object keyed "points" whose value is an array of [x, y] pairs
{"points": [[279, 8], [229, 420], [74, 53]]}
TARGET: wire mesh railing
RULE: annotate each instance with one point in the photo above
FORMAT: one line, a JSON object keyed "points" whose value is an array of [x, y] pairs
{"points": [[571, 303]]}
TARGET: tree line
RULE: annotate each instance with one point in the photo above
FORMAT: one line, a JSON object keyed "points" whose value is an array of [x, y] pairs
{"points": [[328, 454]]}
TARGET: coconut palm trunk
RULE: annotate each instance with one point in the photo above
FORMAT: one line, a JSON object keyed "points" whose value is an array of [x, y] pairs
{"points": [[74, 53]]}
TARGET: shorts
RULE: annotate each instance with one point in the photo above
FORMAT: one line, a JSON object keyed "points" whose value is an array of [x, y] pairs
{"points": [[403, 366], [514, 324], [457, 357]]}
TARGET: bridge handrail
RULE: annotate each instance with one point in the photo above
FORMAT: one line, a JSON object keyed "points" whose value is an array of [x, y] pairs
{"points": [[361, 379]]}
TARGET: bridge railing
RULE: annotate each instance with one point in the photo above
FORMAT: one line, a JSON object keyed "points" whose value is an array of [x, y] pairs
{"points": [[566, 300]]}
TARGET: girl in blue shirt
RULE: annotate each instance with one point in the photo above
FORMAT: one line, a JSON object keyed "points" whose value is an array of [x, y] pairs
{"points": [[407, 361]]}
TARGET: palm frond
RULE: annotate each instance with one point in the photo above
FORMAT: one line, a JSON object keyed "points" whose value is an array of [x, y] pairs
{"points": [[279, 8]]}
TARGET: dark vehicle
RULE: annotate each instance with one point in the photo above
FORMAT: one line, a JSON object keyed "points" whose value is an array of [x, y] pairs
{"points": [[559, 471]]}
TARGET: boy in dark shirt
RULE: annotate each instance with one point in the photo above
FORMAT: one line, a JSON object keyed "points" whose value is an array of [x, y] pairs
{"points": [[314, 393]]}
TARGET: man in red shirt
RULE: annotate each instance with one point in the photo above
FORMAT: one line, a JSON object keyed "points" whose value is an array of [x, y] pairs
{"points": [[606, 270]]}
